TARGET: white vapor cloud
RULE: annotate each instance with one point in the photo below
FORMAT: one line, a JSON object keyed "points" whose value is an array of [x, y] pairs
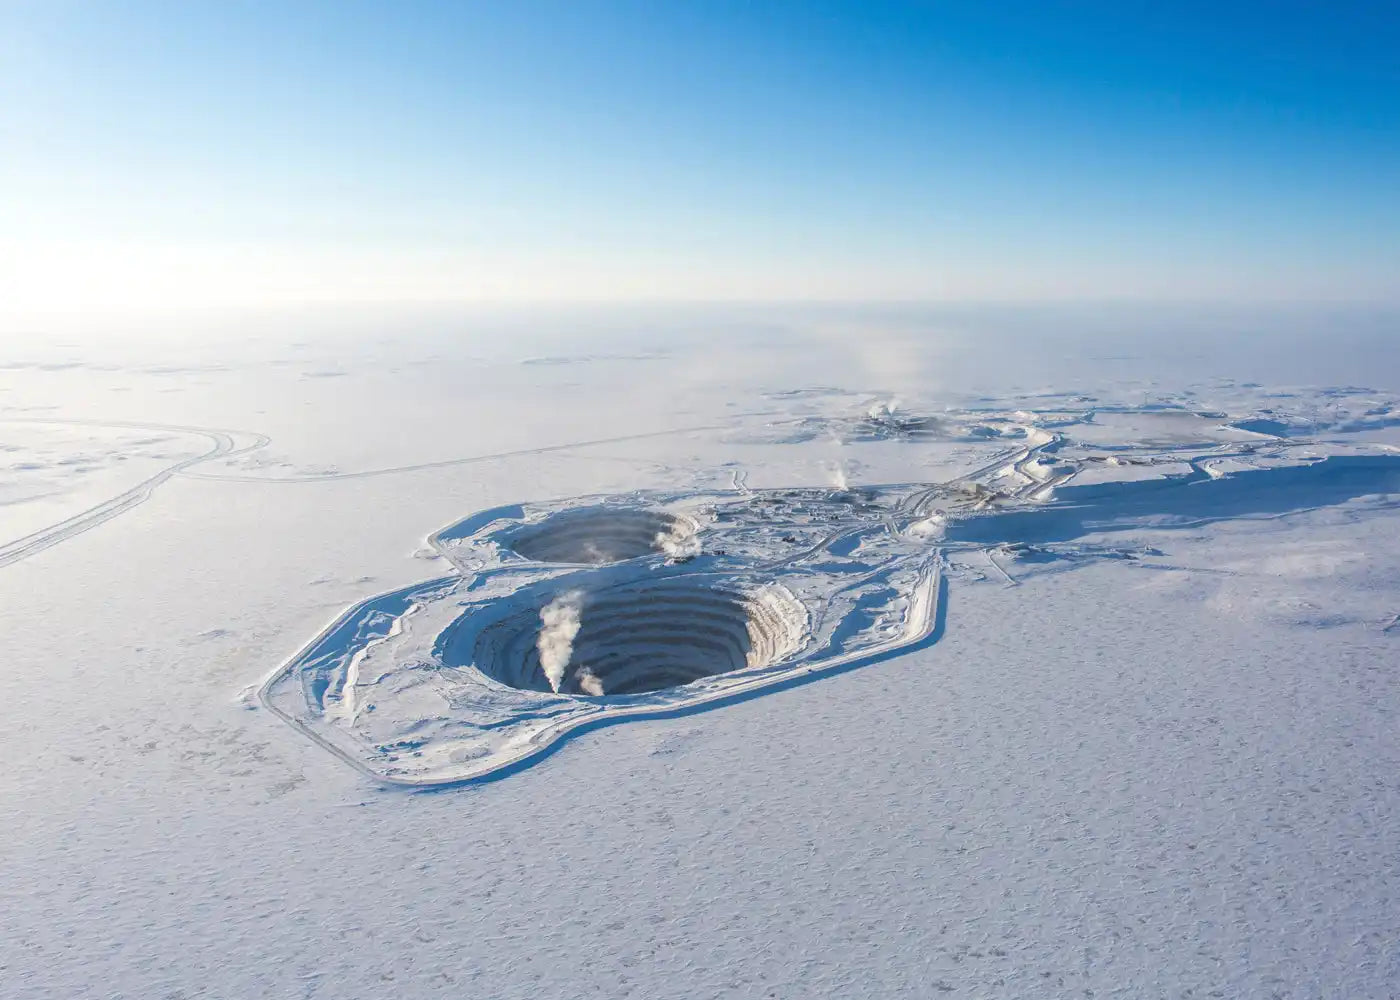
{"points": [[560, 621]]}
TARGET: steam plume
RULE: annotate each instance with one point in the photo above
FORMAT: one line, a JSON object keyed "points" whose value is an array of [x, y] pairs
{"points": [[589, 682], [560, 620], [883, 409], [677, 543]]}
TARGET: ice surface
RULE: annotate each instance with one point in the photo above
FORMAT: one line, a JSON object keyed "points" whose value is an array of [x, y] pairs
{"points": [[1148, 749]]}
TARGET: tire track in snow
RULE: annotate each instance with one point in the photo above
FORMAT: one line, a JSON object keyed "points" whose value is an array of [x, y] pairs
{"points": [[449, 462], [32, 544], [224, 447]]}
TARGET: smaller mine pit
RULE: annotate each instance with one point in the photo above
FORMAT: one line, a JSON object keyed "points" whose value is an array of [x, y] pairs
{"points": [[599, 536]]}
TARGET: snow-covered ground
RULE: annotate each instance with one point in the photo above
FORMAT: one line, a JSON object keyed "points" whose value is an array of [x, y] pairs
{"points": [[1139, 739]]}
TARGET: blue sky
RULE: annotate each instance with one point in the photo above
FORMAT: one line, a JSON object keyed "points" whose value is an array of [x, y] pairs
{"points": [[241, 152]]}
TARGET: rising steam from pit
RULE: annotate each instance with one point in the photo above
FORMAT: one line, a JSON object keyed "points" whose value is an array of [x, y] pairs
{"points": [[677, 542], [589, 682], [560, 621]]}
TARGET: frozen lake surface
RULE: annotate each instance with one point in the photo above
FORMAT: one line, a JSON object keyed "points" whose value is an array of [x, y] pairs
{"points": [[702, 654]]}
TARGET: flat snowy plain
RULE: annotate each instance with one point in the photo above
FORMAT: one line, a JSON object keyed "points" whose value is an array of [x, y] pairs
{"points": [[1150, 748]]}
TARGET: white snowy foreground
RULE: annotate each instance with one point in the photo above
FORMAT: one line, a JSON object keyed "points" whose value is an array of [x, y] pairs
{"points": [[744, 654]]}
